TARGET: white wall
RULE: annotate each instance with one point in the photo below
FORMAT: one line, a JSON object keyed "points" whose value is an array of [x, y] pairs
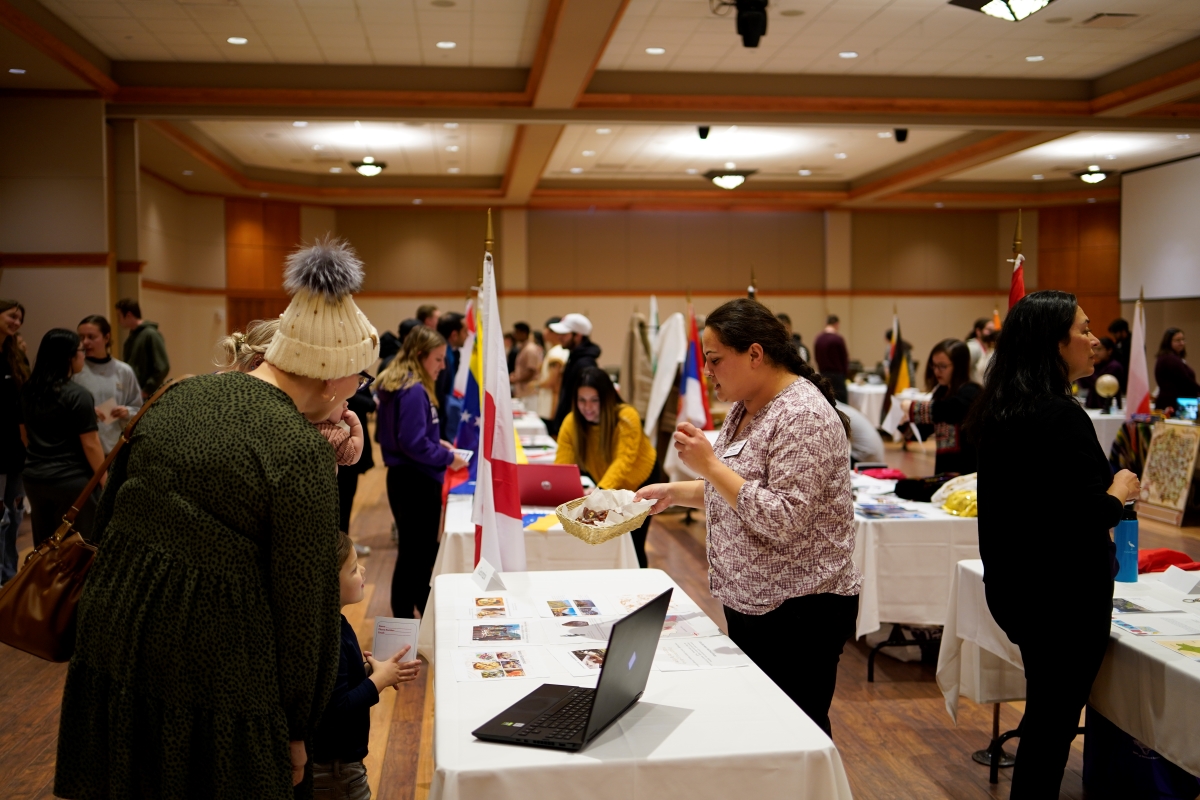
{"points": [[182, 236], [191, 325], [55, 297]]}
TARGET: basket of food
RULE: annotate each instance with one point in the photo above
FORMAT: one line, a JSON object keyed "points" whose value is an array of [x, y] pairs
{"points": [[603, 515]]}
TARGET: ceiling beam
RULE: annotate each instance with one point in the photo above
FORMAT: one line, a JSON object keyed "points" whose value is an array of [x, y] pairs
{"points": [[38, 36], [531, 150], [579, 31], [1179, 84]]}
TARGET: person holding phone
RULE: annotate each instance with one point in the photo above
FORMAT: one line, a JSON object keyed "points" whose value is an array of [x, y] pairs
{"points": [[776, 492], [417, 459]]}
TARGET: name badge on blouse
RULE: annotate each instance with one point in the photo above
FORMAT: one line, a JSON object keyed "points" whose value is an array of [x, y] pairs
{"points": [[734, 449]]}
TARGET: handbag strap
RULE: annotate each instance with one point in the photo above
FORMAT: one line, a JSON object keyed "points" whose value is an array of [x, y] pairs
{"points": [[112, 456]]}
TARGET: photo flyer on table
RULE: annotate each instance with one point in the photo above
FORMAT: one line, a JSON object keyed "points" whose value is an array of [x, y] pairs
{"points": [[392, 634], [581, 662], [1160, 624], [494, 605], [1185, 647], [570, 606], [1141, 605], [493, 665], [472, 633]]}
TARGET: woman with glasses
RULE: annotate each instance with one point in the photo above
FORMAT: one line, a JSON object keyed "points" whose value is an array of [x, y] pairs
{"points": [[417, 459], [58, 424], [953, 395]]}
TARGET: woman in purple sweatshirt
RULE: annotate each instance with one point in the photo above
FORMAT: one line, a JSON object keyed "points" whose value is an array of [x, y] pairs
{"points": [[416, 459]]}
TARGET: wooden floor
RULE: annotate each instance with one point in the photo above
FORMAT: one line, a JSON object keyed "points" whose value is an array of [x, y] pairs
{"points": [[894, 735]]}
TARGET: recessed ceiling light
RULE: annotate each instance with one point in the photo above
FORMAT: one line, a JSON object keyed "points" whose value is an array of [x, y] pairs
{"points": [[884, 134], [589, 153], [1094, 167], [447, 45], [847, 54], [318, 147], [1110, 157], [839, 155], [1009, 10], [237, 40], [692, 171], [938, 205], [335, 170], [1038, 177], [656, 51], [416, 201], [188, 172], [453, 170], [449, 125], [1032, 59], [804, 173], [606, 131], [17, 71], [791, 12], [452, 148], [1177, 136], [576, 170], [730, 165], [299, 124]]}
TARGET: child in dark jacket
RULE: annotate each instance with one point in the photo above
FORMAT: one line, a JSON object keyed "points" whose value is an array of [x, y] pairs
{"points": [[340, 743]]}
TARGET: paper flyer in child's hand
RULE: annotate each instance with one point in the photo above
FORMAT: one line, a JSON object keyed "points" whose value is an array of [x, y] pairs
{"points": [[105, 410], [392, 634]]}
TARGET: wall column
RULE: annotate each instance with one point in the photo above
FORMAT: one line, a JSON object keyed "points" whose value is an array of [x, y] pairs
{"points": [[837, 268], [126, 185]]}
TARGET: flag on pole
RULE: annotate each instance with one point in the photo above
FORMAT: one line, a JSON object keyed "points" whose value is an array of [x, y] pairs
{"points": [[898, 380], [499, 530], [1017, 290], [653, 330], [464, 364], [996, 315], [463, 481], [693, 389], [1137, 392]]}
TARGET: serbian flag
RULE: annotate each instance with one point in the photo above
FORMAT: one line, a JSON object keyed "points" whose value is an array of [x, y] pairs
{"points": [[465, 364], [1017, 290], [898, 381], [499, 529], [1137, 392], [463, 481], [693, 389]]}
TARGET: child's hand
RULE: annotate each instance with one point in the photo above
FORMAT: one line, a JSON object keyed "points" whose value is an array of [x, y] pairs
{"points": [[391, 672], [339, 412], [356, 432]]}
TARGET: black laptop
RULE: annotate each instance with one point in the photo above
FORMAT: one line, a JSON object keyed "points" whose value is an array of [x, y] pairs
{"points": [[568, 717]]}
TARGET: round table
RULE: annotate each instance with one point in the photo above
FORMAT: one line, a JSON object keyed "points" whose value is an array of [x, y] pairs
{"points": [[867, 398]]}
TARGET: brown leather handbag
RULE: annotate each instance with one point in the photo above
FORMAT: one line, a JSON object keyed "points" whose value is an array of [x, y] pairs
{"points": [[37, 607]]}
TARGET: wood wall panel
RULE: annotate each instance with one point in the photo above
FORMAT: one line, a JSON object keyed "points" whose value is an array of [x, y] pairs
{"points": [[1079, 250], [259, 235], [923, 251]]}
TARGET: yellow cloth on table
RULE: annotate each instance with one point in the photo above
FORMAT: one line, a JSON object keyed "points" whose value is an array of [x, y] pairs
{"points": [[631, 461], [963, 503]]}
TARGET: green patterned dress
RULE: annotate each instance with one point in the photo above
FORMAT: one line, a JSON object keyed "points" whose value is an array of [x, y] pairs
{"points": [[209, 625]]}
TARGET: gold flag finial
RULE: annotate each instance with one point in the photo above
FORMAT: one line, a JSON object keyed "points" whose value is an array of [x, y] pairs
{"points": [[490, 241], [1017, 236], [689, 295]]}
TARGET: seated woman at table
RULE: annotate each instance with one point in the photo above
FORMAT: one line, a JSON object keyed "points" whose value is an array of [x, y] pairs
{"points": [[1047, 500], [1174, 377], [417, 460], [603, 435], [953, 395], [776, 492]]}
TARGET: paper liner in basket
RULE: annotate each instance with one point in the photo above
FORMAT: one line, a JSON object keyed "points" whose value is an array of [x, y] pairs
{"points": [[624, 515]]}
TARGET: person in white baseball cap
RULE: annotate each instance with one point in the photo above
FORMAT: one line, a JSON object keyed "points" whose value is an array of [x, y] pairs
{"points": [[574, 330]]}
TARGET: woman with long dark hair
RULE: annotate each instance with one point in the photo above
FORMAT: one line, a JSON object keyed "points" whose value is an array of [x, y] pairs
{"points": [[1174, 377], [1047, 500], [953, 395], [603, 435], [107, 379], [14, 371], [776, 493], [63, 446]]}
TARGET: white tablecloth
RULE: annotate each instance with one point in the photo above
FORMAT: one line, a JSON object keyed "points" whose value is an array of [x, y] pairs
{"points": [[867, 398], [1107, 426], [700, 734], [908, 566], [1146, 690], [556, 549], [528, 424]]}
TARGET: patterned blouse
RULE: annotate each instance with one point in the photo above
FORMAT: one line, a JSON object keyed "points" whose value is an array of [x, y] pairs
{"points": [[792, 531]]}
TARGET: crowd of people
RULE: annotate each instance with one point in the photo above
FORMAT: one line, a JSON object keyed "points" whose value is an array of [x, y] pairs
{"points": [[221, 537]]}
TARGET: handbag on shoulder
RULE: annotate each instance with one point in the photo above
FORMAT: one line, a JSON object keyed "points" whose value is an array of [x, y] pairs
{"points": [[38, 606]]}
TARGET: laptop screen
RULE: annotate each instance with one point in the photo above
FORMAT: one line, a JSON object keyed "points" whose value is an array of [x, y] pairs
{"points": [[631, 647], [1187, 407]]}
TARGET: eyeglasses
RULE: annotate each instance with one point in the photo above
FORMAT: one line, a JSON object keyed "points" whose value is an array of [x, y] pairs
{"points": [[365, 379]]}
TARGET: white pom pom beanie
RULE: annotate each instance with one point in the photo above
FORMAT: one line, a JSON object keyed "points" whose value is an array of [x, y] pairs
{"points": [[323, 334]]}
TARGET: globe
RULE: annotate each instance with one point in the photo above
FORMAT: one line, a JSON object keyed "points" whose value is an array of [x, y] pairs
{"points": [[1107, 386]]}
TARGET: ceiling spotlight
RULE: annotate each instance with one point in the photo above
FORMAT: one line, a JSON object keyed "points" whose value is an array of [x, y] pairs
{"points": [[703, 130], [335, 170], [1110, 157], [589, 153], [237, 40], [449, 125], [299, 124], [1094, 167], [901, 135], [1092, 174], [1010, 10], [751, 18], [1038, 177], [847, 54], [452, 148], [188, 172], [318, 147], [1032, 59], [368, 167], [16, 71], [693, 171], [603, 131], [804, 173], [656, 51], [729, 178], [730, 165], [447, 45], [576, 170], [839, 155], [453, 170], [884, 134]]}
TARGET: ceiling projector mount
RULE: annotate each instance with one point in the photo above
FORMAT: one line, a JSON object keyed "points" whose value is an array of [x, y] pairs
{"points": [[751, 17]]}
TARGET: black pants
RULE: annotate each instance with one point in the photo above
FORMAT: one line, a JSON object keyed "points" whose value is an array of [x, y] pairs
{"points": [[347, 480], [1057, 683], [48, 502], [838, 379], [798, 645], [416, 501], [639, 541]]}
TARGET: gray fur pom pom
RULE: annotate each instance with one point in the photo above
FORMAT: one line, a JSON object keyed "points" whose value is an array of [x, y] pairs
{"points": [[329, 267]]}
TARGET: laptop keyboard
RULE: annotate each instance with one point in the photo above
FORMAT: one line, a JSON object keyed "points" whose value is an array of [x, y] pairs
{"points": [[564, 723]]}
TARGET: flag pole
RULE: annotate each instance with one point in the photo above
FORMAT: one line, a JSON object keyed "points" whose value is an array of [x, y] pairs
{"points": [[1017, 235], [752, 290]]}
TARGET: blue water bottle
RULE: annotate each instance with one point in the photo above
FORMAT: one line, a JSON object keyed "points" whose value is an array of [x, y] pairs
{"points": [[1125, 536]]}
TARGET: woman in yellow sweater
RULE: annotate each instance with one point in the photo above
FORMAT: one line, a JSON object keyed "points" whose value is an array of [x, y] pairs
{"points": [[603, 435]]}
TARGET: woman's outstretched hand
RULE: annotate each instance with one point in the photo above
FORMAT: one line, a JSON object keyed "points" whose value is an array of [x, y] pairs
{"points": [[660, 493]]}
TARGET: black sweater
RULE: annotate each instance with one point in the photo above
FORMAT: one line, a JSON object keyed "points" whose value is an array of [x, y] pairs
{"points": [[346, 723], [1044, 513], [948, 411]]}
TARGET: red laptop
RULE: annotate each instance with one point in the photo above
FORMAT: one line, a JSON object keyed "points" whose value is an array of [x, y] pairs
{"points": [[548, 484]]}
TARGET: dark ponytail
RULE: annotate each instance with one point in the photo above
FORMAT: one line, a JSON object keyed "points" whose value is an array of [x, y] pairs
{"points": [[741, 323]]}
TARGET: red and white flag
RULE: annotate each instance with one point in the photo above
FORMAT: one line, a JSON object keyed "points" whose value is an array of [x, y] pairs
{"points": [[693, 389], [1017, 289], [1137, 386], [499, 532]]}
